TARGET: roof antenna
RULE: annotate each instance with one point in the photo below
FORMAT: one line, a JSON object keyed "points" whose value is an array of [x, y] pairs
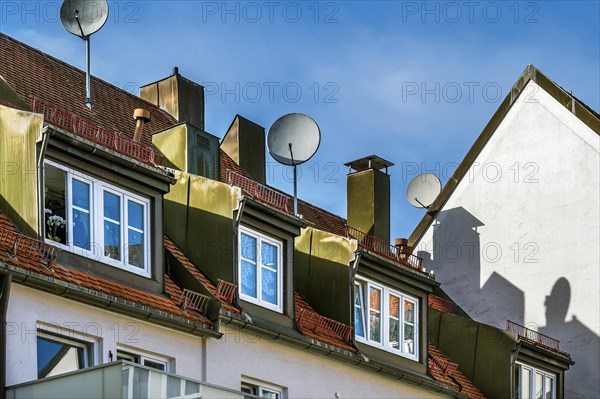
{"points": [[83, 18]]}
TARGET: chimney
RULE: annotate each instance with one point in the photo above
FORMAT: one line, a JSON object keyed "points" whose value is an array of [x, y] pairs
{"points": [[369, 196], [402, 245], [244, 142], [141, 116], [180, 97]]}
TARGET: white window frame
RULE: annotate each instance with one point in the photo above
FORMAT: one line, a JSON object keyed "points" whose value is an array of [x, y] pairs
{"points": [[261, 237], [262, 387], [384, 318], [130, 355], [533, 371], [97, 188], [71, 337]]}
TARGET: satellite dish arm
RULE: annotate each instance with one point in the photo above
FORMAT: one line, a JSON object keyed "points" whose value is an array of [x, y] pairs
{"points": [[295, 181], [422, 204]]}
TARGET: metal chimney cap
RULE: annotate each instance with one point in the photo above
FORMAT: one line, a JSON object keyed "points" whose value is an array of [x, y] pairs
{"points": [[370, 162], [140, 113]]}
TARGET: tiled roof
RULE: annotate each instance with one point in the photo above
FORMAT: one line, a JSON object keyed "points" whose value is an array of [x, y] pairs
{"points": [[441, 304], [174, 250], [28, 261], [31, 72], [443, 370], [325, 335], [313, 215]]}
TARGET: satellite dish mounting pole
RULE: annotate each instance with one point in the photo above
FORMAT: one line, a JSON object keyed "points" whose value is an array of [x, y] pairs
{"points": [[295, 181], [88, 82]]}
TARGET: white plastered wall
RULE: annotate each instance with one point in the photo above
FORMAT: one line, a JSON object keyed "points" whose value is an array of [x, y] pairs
{"points": [[519, 237], [29, 308], [242, 354]]}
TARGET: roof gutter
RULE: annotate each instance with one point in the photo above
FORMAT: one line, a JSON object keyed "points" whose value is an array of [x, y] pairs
{"points": [[345, 357], [112, 303]]}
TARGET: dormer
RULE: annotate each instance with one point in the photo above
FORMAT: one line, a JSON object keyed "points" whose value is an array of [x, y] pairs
{"points": [[91, 191]]}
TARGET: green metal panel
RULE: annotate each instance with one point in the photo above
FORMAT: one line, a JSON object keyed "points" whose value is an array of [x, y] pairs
{"points": [[369, 202], [200, 221], [19, 133], [244, 142]]}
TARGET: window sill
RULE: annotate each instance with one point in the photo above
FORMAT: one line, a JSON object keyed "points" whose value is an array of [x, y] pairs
{"points": [[387, 349]]}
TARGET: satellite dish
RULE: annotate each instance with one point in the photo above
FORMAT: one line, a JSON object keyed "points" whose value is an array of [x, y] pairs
{"points": [[293, 139], [423, 190], [83, 17]]}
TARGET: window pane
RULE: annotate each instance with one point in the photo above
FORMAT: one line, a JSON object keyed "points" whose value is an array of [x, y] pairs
{"points": [[374, 315], [81, 229], [269, 394], [409, 339], [269, 286], [55, 186], [375, 298], [374, 324], [539, 388], [394, 333], [112, 206], [248, 247], [135, 247], [409, 312], [55, 357], [358, 311], [525, 383], [154, 364], [112, 240], [248, 278], [394, 306], [135, 215], [549, 387], [269, 255], [81, 194]]}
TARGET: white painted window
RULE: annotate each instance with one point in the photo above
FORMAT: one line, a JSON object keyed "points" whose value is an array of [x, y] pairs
{"points": [[58, 353], [95, 219], [386, 318], [535, 383], [260, 269], [262, 390], [149, 360]]}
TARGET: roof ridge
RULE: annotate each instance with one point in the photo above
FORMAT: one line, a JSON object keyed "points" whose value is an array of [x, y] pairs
{"points": [[50, 57]]}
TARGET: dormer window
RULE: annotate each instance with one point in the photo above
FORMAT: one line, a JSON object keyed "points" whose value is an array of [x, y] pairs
{"points": [[95, 219], [386, 318], [260, 269]]}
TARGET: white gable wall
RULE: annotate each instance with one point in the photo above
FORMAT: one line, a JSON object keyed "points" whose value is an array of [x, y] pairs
{"points": [[525, 216]]}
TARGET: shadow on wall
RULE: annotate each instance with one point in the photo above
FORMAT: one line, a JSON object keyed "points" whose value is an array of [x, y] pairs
{"points": [[456, 260], [582, 343]]}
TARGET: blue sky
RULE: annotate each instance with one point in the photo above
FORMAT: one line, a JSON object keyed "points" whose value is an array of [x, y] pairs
{"points": [[411, 81]]}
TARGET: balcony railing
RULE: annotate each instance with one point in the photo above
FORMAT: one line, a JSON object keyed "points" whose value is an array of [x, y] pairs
{"points": [[533, 336], [313, 321], [384, 249], [96, 133], [194, 301], [225, 291], [119, 380], [259, 192], [17, 244]]}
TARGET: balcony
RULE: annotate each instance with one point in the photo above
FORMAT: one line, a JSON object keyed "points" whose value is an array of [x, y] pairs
{"points": [[123, 380], [532, 336]]}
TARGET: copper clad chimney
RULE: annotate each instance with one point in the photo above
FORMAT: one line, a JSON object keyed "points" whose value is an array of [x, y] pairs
{"points": [[244, 142], [141, 116], [368, 195], [180, 97]]}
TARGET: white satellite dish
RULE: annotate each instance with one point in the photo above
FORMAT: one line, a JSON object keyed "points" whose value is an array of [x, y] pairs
{"points": [[292, 140], [83, 18], [423, 190]]}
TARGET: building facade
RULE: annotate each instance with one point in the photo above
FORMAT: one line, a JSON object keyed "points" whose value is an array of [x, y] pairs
{"points": [[144, 257]]}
